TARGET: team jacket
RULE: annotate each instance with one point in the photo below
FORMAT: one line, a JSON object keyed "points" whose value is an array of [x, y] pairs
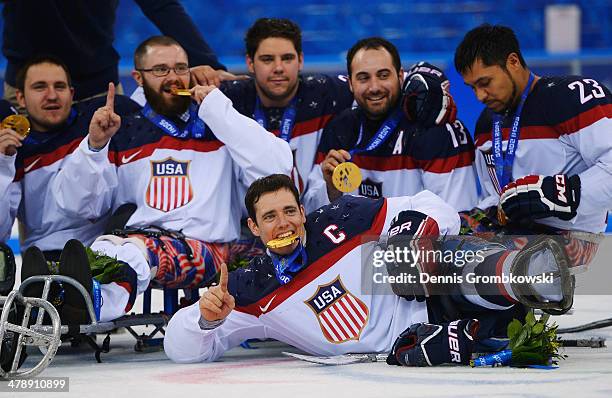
{"points": [[412, 159], [27, 179], [319, 99], [177, 183], [565, 128], [323, 310]]}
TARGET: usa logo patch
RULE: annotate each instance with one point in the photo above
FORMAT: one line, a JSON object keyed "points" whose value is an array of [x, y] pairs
{"points": [[170, 187], [341, 315], [371, 189]]}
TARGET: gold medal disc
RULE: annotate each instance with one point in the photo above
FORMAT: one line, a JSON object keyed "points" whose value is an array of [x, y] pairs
{"points": [[182, 92], [346, 177], [19, 123], [282, 242]]}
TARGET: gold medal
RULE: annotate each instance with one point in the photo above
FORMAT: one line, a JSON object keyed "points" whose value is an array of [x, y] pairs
{"points": [[19, 123], [182, 92], [346, 177], [282, 242]]}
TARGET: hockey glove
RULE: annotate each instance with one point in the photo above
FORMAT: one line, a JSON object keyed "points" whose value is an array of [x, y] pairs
{"points": [[426, 98], [537, 196], [426, 344], [412, 233]]}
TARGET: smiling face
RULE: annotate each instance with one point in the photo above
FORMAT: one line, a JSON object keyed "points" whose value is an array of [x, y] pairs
{"points": [[46, 95], [158, 89], [278, 215], [375, 82], [276, 66]]}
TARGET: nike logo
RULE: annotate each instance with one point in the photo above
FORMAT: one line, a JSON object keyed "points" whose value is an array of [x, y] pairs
{"points": [[29, 167], [129, 158], [265, 308]]}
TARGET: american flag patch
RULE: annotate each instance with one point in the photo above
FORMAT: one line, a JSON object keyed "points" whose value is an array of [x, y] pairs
{"points": [[341, 315], [490, 162], [170, 187]]}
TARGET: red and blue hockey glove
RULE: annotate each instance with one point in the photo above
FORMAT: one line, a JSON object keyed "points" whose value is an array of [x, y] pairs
{"points": [[535, 196], [426, 98], [426, 344], [413, 234]]}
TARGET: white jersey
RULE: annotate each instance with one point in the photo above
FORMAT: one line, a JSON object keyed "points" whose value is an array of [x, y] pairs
{"points": [[187, 184], [318, 99], [412, 159], [565, 128], [26, 182], [327, 308]]}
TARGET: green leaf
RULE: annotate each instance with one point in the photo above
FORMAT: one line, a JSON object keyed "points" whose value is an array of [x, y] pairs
{"points": [[530, 319], [538, 328], [514, 328], [544, 318], [521, 337]]}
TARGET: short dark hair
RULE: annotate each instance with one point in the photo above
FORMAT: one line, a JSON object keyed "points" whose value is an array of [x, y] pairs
{"points": [[37, 60], [373, 43], [265, 28], [271, 183], [143, 47], [491, 44]]}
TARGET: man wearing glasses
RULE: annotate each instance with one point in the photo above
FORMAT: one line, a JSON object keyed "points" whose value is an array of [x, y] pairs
{"points": [[179, 175]]}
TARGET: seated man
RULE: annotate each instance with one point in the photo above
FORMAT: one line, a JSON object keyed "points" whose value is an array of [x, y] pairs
{"points": [[395, 154], [179, 174], [310, 278], [30, 163]]}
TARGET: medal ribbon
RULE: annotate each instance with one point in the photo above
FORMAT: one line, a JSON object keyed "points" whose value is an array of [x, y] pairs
{"points": [[195, 128], [97, 298], [381, 135], [287, 122], [291, 263], [503, 164]]}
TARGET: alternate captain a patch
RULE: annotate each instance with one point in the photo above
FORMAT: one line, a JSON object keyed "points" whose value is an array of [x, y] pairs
{"points": [[341, 315], [170, 187]]}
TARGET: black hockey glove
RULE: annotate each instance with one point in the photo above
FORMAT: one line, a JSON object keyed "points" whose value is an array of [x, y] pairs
{"points": [[7, 269], [535, 196], [412, 232], [426, 344], [426, 98]]}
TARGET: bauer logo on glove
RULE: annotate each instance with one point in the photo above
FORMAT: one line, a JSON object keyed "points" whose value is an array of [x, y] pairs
{"points": [[535, 196], [426, 98], [426, 344]]}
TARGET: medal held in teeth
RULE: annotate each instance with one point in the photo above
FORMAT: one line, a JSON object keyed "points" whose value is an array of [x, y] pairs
{"points": [[346, 177], [282, 242], [19, 123], [183, 92]]}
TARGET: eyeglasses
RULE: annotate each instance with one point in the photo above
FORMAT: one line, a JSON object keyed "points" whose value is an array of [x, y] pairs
{"points": [[163, 70]]}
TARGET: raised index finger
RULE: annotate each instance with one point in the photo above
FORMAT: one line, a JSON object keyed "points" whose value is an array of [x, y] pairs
{"points": [[110, 96], [223, 279]]}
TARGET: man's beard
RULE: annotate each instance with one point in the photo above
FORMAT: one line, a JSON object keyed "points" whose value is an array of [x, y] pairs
{"points": [[380, 113], [514, 100], [176, 106]]}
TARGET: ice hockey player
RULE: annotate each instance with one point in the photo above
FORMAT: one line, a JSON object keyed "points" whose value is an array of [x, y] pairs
{"points": [[308, 290]]}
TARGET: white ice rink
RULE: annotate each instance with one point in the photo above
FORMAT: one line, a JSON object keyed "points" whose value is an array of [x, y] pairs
{"points": [[265, 372]]}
